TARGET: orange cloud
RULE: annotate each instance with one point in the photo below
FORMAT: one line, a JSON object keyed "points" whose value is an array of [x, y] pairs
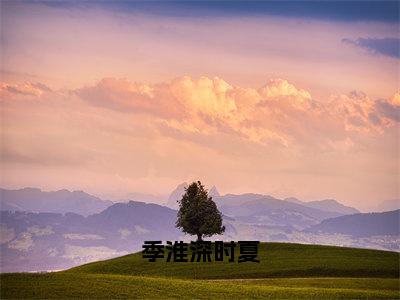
{"points": [[359, 113], [24, 89], [277, 112], [117, 135]]}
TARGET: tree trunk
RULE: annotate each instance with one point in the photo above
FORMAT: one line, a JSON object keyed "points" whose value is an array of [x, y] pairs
{"points": [[199, 239]]}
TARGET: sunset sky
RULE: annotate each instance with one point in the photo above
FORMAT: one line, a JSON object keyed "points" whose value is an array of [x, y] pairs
{"points": [[282, 98]]}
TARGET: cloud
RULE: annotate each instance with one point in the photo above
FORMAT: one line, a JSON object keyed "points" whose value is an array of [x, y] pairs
{"points": [[359, 113], [124, 232], [88, 254], [6, 234], [122, 95], [383, 46], [23, 243], [349, 11], [278, 112], [25, 89], [117, 135], [143, 47], [281, 88], [141, 230], [390, 109], [38, 231], [78, 236], [173, 100]]}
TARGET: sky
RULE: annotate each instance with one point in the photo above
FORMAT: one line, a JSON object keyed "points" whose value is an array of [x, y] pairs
{"points": [[291, 99]]}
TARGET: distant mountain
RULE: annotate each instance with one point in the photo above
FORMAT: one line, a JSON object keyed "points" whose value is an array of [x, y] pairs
{"points": [[176, 195], [180, 190], [389, 205], [48, 241], [361, 225], [294, 200], [326, 205], [143, 197], [213, 192], [31, 241], [62, 201], [267, 210], [149, 218], [333, 206]]}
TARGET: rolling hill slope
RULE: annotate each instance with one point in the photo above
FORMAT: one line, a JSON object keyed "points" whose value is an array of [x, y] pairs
{"points": [[285, 271], [276, 260]]}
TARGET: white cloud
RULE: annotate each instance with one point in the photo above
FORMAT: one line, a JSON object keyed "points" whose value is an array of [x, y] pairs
{"points": [[6, 234], [79, 236], [80, 254], [23, 243], [141, 230], [39, 231]]}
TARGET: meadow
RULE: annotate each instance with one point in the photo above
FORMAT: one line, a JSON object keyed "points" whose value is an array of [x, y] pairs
{"points": [[285, 271]]}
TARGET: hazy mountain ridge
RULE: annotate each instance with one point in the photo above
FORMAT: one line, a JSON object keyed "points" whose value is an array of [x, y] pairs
{"points": [[43, 241], [319, 209], [32, 241], [153, 217], [267, 210], [145, 197], [327, 205], [361, 225], [62, 201], [388, 205], [177, 193], [46, 241]]}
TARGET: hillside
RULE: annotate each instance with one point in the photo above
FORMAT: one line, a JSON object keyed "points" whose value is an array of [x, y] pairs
{"points": [[53, 241], [41, 241], [276, 260], [49, 241], [284, 271], [361, 225]]}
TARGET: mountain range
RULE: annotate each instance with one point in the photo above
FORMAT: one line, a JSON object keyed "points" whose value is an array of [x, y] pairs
{"points": [[361, 225], [326, 205], [389, 205], [62, 201], [47, 241], [55, 230], [267, 210], [180, 190]]}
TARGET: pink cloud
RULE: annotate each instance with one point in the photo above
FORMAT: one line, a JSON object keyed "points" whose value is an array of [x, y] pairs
{"points": [[118, 135], [24, 89], [278, 111]]}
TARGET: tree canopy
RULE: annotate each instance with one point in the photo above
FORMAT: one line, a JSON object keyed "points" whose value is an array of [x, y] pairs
{"points": [[198, 214]]}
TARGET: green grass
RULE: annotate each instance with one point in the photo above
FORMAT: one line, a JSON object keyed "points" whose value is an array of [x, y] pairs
{"points": [[286, 271], [276, 260]]}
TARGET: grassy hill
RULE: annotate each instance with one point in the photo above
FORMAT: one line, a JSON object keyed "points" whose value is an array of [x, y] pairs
{"points": [[284, 271]]}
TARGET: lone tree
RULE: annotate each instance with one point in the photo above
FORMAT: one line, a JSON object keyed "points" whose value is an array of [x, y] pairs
{"points": [[198, 214]]}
